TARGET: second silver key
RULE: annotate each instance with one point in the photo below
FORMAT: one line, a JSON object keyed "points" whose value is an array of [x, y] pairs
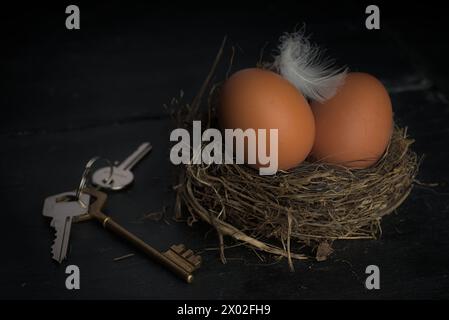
{"points": [[61, 208], [121, 175]]}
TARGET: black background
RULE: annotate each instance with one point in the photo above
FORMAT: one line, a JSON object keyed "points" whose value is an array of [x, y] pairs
{"points": [[68, 95]]}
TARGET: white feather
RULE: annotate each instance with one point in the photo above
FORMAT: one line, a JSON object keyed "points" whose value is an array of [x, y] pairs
{"points": [[301, 63]]}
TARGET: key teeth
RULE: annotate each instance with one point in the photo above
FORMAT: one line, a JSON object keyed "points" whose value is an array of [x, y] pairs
{"points": [[178, 248], [195, 260], [54, 250], [187, 254], [54, 253]]}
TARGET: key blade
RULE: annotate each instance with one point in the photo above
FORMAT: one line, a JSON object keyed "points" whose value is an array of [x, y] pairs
{"points": [[136, 156], [62, 208], [62, 235]]}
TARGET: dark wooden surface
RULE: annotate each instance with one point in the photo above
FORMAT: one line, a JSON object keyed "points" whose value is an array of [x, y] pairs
{"points": [[70, 95]]}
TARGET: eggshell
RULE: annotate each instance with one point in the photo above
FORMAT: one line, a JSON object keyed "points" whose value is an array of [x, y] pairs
{"points": [[261, 99], [354, 127]]}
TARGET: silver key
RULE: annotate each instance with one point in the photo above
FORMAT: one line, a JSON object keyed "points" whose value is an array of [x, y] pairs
{"points": [[121, 175], [62, 208]]}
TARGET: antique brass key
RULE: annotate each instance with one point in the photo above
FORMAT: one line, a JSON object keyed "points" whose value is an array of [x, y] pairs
{"points": [[178, 259]]}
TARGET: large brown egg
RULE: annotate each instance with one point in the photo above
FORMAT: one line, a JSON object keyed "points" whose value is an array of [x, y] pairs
{"points": [[354, 127], [261, 99]]}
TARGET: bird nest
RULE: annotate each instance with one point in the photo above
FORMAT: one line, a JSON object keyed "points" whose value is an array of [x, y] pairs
{"points": [[310, 206]]}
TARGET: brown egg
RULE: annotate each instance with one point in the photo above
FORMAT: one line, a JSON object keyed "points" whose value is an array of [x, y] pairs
{"points": [[261, 99], [354, 127]]}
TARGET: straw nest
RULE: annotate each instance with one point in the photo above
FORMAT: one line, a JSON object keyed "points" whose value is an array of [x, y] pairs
{"points": [[309, 206]]}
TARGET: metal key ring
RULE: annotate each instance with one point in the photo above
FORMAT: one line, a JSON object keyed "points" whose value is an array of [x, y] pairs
{"points": [[89, 165]]}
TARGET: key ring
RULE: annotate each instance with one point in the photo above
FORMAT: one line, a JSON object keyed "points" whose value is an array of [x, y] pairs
{"points": [[89, 165]]}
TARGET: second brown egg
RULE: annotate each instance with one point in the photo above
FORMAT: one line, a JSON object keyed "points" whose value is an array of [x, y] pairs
{"points": [[354, 127]]}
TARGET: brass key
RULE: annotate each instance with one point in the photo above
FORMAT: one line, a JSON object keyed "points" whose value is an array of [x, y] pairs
{"points": [[178, 259]]}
